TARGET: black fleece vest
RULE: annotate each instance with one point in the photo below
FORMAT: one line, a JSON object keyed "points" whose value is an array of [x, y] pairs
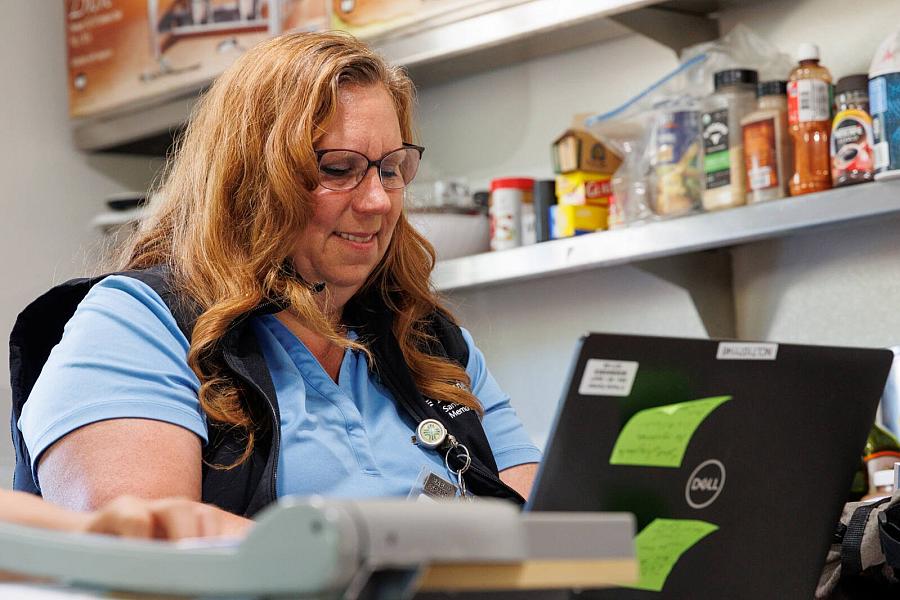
{"points": [[248, 488]]}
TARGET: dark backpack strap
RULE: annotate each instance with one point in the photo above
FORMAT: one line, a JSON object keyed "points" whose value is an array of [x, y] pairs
{"points": [[851, 546]]}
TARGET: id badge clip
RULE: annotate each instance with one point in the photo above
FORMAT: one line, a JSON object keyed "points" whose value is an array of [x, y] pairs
{"points": [[432, 434]]}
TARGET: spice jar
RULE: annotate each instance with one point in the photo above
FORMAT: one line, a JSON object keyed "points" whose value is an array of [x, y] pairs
{"points": [[511, 212], [767, 144], [723, 153]]}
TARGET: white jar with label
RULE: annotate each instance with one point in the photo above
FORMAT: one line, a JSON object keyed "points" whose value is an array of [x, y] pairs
{"points": [[723, 150], [511, 212]]}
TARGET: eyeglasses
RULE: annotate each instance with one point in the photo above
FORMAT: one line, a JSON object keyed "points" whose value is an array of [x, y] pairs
{"points": [[343, 170]]}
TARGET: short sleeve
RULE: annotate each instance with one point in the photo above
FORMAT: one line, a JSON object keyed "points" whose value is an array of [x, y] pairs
{"points": [[121, 356], [507, 436]]}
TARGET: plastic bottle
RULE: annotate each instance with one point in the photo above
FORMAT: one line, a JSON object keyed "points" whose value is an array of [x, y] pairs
{"points": [[723, 153], [809, 116], [767, 147], [852, 140]]}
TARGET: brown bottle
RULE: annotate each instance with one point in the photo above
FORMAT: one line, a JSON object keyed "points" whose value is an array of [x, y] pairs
{"points": [[809, 119]]}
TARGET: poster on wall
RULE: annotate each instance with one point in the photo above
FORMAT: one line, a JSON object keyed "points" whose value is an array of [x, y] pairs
{"points": [[123, 53]]}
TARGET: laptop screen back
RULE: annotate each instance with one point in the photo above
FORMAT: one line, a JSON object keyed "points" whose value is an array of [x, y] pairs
{"points": [[735, 458]]}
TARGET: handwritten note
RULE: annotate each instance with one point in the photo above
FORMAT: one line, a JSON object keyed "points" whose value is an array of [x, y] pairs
{"points": [[659, 436], [659, 546]]}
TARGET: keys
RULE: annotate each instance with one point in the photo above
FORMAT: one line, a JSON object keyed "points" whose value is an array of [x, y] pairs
{"points": [[457, 474]]}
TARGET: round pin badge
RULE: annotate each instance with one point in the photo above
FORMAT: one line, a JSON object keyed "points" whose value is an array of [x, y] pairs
{"points": [[431, 433]]}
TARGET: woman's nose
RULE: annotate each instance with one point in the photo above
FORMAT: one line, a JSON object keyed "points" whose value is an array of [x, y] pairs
{"points": [[370, 195]]}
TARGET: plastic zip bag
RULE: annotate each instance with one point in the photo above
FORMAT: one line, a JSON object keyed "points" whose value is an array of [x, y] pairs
{"points": [[657, 132]]}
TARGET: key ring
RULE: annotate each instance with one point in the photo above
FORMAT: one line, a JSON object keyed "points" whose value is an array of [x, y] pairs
{"points": [[467, 462], [458, 474]]}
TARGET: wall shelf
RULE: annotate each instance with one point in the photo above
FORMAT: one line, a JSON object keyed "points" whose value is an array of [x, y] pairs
{"points": [[521, 31], [111, 219], [671, 238]]}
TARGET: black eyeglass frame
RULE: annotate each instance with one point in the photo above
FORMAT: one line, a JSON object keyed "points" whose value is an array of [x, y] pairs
{"points": [[371, 163]]}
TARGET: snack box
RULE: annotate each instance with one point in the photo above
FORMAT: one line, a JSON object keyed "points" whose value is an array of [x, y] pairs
{"points": [[584, 189], [577, 150], [567, 220]]}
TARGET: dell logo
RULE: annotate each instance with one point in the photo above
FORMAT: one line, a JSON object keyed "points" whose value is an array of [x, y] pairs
{"points": [[705, 484]]}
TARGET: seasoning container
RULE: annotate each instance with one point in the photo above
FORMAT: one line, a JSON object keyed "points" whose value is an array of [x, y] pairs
{"points": [[511, 212], [767, 148], [884, 91], [852, 141], [674, 148], [881, 485], [809, 119], [723, 152]]}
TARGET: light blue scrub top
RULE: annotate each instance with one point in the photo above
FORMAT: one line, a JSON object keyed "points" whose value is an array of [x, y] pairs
{"points": [[123, 356]]}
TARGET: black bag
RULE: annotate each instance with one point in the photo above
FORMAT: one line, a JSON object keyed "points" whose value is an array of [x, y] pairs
{"points": [[864, 559]]}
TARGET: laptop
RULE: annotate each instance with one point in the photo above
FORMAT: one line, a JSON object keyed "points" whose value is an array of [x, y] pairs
{"points": [[736, 458]]}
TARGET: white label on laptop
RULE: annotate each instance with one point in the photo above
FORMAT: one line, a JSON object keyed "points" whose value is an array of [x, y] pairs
{"points": [[604, 377], [746, 351]]}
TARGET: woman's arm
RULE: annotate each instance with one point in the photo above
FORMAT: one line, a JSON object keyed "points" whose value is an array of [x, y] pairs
{"points": [[520, 478], [141, 477], [148, 459]]}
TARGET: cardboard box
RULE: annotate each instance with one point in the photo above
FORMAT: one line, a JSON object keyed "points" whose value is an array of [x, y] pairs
{"points": [[584, 189], [566, 221], [577, 150]]}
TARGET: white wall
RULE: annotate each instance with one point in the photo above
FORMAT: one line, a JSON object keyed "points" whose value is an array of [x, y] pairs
{"points": [[829, 287], [49, 190]]}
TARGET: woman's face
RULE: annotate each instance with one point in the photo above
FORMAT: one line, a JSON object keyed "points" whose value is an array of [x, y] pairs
{"points": [[350, 230]]}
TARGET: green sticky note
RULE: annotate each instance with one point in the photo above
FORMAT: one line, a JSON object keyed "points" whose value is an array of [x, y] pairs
{"points": [[659, 546], [658, 437]]}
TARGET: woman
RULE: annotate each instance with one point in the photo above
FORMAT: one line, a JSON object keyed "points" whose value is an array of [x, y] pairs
{"points": [[276, 333]]}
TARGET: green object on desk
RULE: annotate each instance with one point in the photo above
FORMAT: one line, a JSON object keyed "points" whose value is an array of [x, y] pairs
{"points": [[659, 436], [659, 546]]}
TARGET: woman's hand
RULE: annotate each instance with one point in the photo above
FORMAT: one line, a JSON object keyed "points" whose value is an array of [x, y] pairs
{"points": [[169, 518]]}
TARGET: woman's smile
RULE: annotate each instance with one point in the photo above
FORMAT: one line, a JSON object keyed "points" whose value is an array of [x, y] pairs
{"points": [[357, 238]]}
